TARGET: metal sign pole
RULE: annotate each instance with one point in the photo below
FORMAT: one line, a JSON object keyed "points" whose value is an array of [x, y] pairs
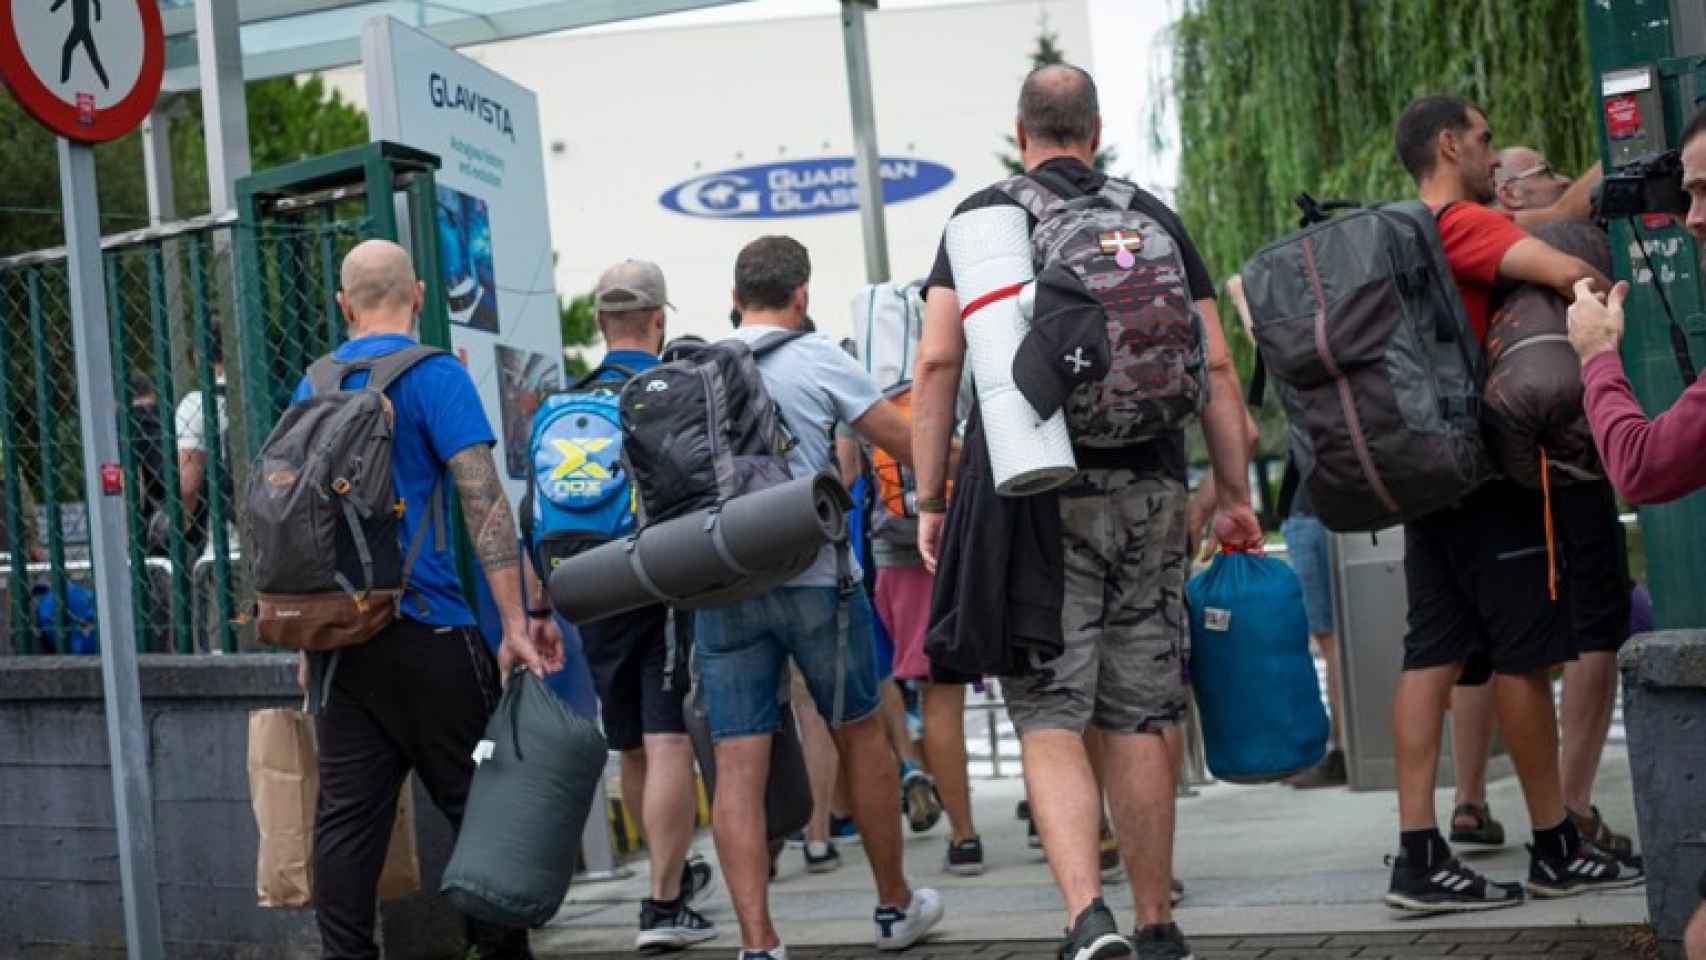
{"points": [[867, 163], [133, 810]]}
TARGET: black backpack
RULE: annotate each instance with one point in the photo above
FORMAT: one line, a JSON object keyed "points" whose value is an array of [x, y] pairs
{"points": [[702, 429], [323, 515], [1360, 321]]}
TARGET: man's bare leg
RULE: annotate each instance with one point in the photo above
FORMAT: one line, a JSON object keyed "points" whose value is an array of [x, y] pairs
{"points": [[894, 724], [822, 761], [1140, 794], [1067, 807], [1590, 695], [1694, 939], [1418, 713], [669, 809], [1471, 744], [634, 786], [874, 797], [1531, 731], [944, 708], [737, 821]]}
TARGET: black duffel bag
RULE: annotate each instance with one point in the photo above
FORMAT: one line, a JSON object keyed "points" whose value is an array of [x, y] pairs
{"points": [[788, 793]]}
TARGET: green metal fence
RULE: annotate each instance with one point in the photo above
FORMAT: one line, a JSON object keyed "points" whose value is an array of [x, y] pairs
{"points": [[173, 297]]}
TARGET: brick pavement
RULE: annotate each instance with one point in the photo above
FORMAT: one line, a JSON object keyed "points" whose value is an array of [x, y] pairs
{"points": [[1566, 943]]}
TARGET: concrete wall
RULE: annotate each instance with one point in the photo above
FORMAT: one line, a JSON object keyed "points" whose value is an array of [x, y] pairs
{"points": [[59, 892]]}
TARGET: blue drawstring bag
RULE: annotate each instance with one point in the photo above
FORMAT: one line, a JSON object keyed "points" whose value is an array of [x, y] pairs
{"points": [[1254, 678], [82, 637]]}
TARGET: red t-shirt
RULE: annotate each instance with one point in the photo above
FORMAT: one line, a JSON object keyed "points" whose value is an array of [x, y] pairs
{"points": [[1476, 239]]}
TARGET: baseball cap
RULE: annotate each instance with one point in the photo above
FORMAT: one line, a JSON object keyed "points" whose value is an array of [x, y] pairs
{"points": [[1068, 343], [631, 285]]}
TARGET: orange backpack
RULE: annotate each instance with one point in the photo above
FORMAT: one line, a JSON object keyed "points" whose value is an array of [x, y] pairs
{"points": [[896, 486]]}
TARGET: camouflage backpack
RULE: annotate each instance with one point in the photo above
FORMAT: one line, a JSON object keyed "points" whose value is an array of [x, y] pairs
{"points": [[1130, 263]]}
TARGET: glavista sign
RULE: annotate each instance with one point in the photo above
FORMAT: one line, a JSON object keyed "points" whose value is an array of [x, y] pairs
{"points": [[798, 188]]}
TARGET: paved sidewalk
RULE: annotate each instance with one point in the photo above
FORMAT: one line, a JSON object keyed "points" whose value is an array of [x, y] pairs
{"points": [[1560, 943]]}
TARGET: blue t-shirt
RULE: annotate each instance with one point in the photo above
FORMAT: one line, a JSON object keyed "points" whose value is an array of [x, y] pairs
{"points": [[438, 416], [638, 361]]}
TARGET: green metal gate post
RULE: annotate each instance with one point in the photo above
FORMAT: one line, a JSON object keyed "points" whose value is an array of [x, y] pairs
{"points": [[18, 580], [47, 432], [176, 521], [137, 524]]}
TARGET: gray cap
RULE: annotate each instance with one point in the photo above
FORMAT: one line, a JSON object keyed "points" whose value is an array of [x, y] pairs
{"points": [[631, 285]]}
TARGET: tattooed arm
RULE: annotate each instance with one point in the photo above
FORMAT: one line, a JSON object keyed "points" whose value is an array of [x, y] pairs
{"points": [[491, 529]]}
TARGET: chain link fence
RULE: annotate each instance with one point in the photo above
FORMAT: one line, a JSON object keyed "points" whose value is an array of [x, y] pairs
{"points": [[184, 439]]}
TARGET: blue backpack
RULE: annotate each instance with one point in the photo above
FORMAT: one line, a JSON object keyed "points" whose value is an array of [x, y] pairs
{"points": [[1252, 672], [578, 494], [82, 635]]}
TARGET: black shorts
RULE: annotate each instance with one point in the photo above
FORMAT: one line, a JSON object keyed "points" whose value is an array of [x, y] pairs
{"points": [[1477, 580], [1596, 563], [627, 654]]}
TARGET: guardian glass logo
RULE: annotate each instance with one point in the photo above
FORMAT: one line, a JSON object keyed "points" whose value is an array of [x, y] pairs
{"points": [[798, 188]]}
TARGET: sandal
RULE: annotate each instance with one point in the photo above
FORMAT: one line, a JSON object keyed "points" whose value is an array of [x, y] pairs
{"points": [[1486, 831], [1594, 829]]}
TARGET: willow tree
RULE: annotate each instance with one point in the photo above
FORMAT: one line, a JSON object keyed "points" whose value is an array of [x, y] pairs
{"points": [[1276, 97]]}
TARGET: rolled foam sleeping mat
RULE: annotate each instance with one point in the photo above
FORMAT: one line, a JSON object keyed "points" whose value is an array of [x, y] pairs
{"points": [[990, 250], [755, 543], [1533, 396]]}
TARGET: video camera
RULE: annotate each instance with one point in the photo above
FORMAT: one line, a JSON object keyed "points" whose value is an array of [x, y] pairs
{"points": [[1647, 184]]}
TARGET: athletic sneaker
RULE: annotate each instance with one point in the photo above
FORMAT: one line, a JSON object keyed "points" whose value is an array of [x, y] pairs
{"points": [[1482, 831], [822, 860], [1448, 887], [797, 839], [918, 798], [1330, 772], [1033, 839], [1095, 936], [697, 880], [1590, 869], [898, 929], [1178, 891], [671, 926], [843, 830], [965, 858], [1163, 941], [774, 953]]}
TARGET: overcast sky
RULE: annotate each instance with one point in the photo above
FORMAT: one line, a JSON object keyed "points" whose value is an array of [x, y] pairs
{"points": [[1124, 33]]}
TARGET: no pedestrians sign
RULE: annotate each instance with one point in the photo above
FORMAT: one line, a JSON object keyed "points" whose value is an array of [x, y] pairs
{"points": [[89, 70]]}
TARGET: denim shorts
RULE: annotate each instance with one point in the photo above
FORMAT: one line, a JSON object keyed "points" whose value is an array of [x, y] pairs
{"points": [[743, 650], [1306, 542]]}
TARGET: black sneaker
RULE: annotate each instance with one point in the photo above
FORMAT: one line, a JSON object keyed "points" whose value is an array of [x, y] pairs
{"points": [[1330, 772], [1178, 891], [965, 858], [1094, 936], [774, 953], [824, 862], [1590, 869], [1448, 887], [1033, 839], [1113, 871], [1161, 942], [697, 880], [671, 926]]}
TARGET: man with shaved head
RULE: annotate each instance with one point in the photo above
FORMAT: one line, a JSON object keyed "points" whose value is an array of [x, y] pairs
{"points": [[1527, 185], [1116, 584], [416, 696]]}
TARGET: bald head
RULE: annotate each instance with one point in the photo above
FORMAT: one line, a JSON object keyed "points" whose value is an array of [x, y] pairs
{"points": [[1058, 107], [1523, 180], [378, 275]]}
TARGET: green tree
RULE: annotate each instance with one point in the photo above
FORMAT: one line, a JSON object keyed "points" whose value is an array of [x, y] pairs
{"points": [[287, 121], [580, 330], [1047, 53]]}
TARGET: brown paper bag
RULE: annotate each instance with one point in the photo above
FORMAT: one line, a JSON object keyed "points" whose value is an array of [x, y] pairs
{"points": [[402, 874], [284, 782], [284, 786]]}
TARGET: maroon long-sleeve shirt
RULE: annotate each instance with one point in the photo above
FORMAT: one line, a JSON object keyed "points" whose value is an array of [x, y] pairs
{"points": [[1648, 461]]}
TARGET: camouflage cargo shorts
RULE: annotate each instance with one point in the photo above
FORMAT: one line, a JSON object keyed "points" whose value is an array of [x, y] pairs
{"points": [[1127, 645]]}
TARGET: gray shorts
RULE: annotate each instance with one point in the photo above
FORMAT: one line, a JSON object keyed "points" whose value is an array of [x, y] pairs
{"points": [[1127, 646]]}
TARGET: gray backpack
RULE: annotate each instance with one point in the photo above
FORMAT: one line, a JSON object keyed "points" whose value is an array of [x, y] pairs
{"points": [[1359, 320], [323, 516], [1156, 380]]}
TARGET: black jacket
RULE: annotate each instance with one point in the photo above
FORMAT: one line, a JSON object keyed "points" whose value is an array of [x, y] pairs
{"points": [[1000, 577]]}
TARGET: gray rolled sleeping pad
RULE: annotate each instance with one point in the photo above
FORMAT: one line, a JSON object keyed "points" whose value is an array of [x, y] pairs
{"points": [[539, 769]]}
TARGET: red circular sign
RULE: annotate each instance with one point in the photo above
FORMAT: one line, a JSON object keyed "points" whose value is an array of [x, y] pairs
{"points": [[131, 39]]}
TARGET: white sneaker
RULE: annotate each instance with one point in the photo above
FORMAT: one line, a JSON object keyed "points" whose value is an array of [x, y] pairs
{"points": [[898, 929]]}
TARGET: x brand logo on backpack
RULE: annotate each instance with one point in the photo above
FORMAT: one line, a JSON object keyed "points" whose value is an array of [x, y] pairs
{"points": [[1076, 358], [575, 460]]}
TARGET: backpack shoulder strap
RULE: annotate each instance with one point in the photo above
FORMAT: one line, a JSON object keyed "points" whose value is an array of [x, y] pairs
{"points": [[326, 375], [390, 367], [770, 343], [592, 375], [1031, 193], [1121, 193]]}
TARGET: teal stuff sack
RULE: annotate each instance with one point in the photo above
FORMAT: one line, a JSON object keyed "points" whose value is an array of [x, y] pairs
{"points": [[1254, 678], [539, 769]]}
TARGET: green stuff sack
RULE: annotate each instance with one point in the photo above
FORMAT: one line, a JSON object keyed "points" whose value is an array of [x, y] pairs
{"points": [[539, 769]]}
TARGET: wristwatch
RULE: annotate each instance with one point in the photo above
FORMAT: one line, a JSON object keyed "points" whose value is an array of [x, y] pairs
{"points": [[543, 614], [932, 505]]}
